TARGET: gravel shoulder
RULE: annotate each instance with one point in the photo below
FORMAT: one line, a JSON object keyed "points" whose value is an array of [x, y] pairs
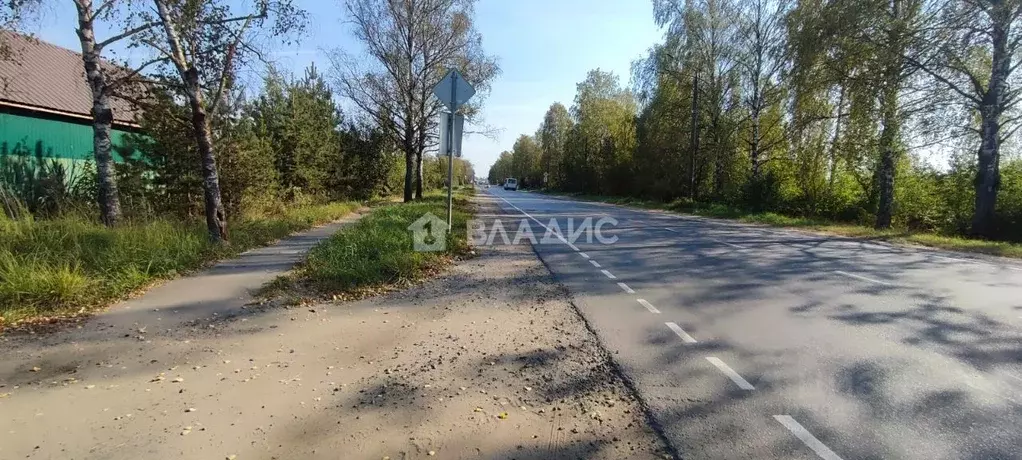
{"points": [[489, 360]]}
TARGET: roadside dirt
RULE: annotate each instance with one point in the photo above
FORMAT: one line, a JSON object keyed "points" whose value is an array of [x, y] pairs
{"points": [[488, 361]]}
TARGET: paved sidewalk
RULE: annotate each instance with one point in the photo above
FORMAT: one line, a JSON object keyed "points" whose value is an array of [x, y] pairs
{"points": [[165, 310], [222, 289]]}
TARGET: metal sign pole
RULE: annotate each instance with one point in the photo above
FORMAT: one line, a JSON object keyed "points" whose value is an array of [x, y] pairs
{"points": [[450, 157], [461, 91]]}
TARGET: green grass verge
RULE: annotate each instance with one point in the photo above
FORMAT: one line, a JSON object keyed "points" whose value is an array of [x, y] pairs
{"points": [[377, 251], [902, 236], [72, 265]]}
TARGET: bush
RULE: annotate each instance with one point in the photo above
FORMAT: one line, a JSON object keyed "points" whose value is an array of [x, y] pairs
{"points": [[762, 193], [40, 185], [369, 167], [1009, 202]]}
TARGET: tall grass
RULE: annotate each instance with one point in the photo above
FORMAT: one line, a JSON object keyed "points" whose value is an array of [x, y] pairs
{"points": [[40, 185], [377, 250], [71, 264]]}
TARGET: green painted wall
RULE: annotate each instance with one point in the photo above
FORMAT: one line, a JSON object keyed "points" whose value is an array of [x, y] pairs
{"points": [[58, 139]]}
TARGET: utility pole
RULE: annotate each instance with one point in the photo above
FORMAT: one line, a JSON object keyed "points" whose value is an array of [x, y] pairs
{"points": [[694, 144]]}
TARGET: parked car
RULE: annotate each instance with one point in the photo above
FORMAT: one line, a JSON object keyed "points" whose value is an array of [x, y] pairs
{"points": [[511, 184]]}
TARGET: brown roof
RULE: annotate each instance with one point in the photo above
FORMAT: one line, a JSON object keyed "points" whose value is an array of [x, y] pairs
{"points": [[48, 78]]}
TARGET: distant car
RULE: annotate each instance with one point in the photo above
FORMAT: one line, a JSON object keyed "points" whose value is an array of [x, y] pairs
{"points": [[511, 184]]}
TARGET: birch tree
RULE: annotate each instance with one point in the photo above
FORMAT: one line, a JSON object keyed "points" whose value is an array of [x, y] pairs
{"points": [[892, 34], [409, 46], [762, 58], [204, 42], [873, 42], [104, 80], [102, 115], [101, 83], [975, 54]]}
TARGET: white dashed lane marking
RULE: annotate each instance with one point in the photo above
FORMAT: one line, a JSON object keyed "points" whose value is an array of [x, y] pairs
{"points": [[793, 426], [806, 437], [681, 333], [863, 278], [734, 376], [649, 306]]}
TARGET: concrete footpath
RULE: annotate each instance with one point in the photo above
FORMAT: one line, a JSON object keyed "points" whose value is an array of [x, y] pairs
{"points": [[223, 289], [163, 314], [489, 360]]}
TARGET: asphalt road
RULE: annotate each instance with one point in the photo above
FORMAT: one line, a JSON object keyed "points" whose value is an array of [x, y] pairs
{"points": [[752, 342]]}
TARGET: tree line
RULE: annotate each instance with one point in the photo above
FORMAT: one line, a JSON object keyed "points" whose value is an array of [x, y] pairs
{"points": [[893, 112], [291, 141]]}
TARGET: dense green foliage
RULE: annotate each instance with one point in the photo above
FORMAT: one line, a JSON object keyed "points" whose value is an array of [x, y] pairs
{"points": [[298, 121], [434, 172], [826, 110], [287, 146]]}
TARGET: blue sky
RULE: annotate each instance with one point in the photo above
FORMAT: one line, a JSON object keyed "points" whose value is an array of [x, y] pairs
{"points": [[545, 47]]}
